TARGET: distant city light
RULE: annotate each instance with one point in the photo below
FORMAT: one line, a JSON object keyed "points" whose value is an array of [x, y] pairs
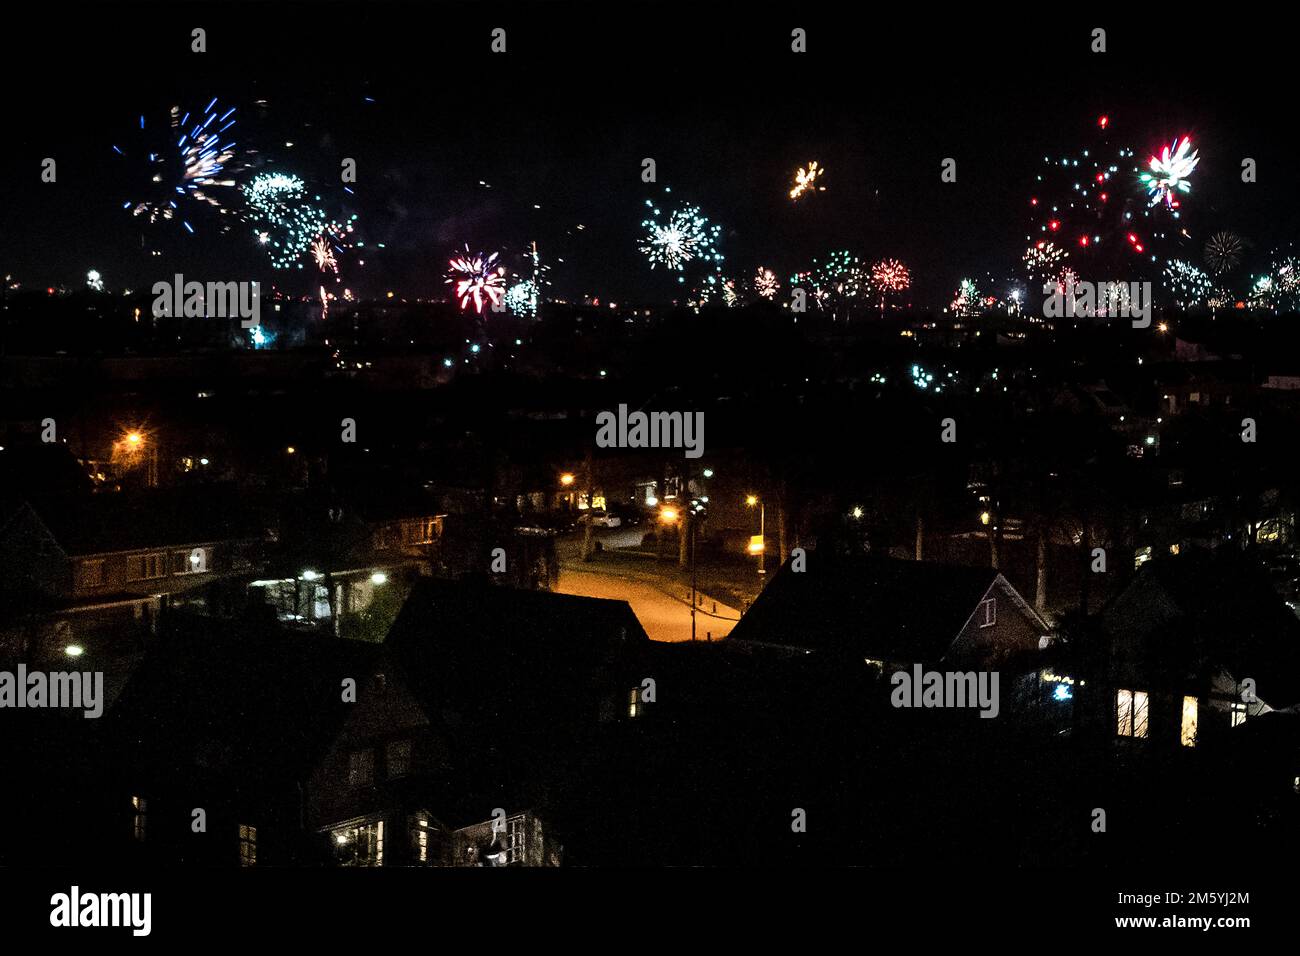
{"points": [[74, 650], [379, 577]]}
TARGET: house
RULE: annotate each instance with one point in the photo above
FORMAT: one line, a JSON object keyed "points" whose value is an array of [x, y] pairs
{"points": [[888, 613], [1197, 645], [98, 572]]}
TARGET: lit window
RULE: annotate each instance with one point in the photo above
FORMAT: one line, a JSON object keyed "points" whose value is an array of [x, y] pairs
{"points": [[1238, 714], [632, 702], [247, 845], [139, 818], [1131, 711], [1188, 732], [1141, 557], [988, 612]]}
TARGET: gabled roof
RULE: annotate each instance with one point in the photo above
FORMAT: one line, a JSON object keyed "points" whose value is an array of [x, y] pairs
{"points": [[257, 706], [100, 523], [867, 606]]}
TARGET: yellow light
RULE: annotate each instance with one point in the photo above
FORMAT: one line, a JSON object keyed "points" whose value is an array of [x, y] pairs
{"points": [[1163, 327], [984, 517], [668, 515], [291, 449], [751, 500], [756, 545], [72, 650], [566, 479], [857, 512], [133, 438]]}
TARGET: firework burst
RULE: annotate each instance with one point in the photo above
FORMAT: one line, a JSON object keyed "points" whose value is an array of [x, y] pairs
{"points": [[1223, 252], [805, 178], [1167, 173], [182, 163], [477, 279], [324, 255], [1189, 285], [967, 301], [889, 277], [285, 220], [686, 236], [766, 284]]}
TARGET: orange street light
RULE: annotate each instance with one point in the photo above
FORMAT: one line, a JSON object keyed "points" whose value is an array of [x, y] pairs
{"points": [[567, 479], [668, 515]]}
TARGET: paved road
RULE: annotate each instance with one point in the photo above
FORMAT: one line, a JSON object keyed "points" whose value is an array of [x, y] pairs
{"points": [[662, 606]]}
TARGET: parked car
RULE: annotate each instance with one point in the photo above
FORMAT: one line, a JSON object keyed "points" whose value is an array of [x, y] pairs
{"points": [[599, 518]]}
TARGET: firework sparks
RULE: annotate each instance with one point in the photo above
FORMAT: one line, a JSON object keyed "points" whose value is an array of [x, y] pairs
{"points": [[477, 279], [1167, 173], [285, 221], [685, 237], [1223, 252], [766, 284], [324, 255], [1189, 285], [184, 160], [805, 178], [95, 281], [1043, 261], [889, 276], [967, 301]]}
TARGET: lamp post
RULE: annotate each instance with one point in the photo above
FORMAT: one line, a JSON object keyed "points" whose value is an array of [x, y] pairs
{"points": [[670, 516], [761, 545]]}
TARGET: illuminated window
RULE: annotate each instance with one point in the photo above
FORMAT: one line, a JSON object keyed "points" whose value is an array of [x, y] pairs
{"points": [[988, 612], [1188, 732], [397, 758], [247, 845], [360, 844], [1141, 557], [1175, 549], [633, 700], [1131, 711], [1238, 714], [139, 818], [422, 839]]}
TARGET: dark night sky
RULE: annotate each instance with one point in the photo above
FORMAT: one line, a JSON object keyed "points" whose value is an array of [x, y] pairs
{"points": [[565, 118]]}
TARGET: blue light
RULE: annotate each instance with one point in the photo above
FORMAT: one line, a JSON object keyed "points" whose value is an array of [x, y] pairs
{"points": [[1062, 692]]}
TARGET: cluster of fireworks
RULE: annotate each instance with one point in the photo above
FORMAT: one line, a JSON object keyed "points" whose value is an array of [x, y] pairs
{"points": [[1094, 211]]}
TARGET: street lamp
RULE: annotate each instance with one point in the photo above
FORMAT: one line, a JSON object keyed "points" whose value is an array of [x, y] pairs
{"points": [[566, 479], [759, 546], [669, 516]]}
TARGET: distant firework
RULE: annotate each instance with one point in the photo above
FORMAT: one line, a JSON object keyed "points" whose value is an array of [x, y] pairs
{"points": [[324, 255], [1188, 285], [284, 218], [181, 163], [804, 179], [766, 284], [889, 276], [477, 279], [1043, 261], [685, 237], [967, 300], [1166, 174], [1223, 252]]}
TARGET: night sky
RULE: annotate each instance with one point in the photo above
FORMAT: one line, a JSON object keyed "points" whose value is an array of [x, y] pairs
{"points": [[564, 119]]}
